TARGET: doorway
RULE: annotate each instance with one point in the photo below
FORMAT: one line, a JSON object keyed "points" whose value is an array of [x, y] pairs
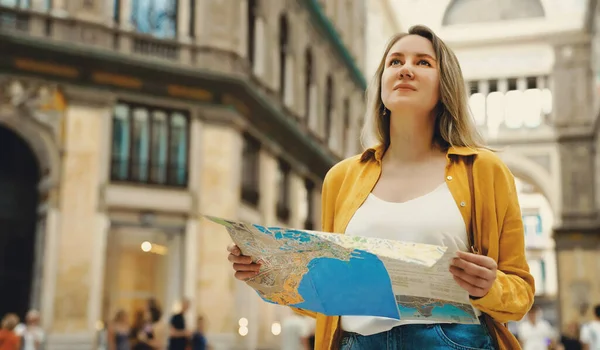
{"points": [[19, 177], [142, 263]]}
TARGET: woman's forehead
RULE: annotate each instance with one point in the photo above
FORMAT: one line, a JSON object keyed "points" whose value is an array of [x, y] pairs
{"points": [[412, 45]]}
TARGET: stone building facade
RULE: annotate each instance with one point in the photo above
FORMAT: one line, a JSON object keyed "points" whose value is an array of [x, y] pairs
{"points": [[130, 122]]}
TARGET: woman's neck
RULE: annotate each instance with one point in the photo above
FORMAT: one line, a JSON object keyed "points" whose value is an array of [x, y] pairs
{"points": [[411, 139]]}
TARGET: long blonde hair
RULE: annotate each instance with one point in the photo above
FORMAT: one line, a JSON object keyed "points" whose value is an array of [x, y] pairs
{"points": [[454, 125]]}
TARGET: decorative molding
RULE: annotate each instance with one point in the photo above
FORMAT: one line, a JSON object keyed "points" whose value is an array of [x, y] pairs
{"points": [[543, 160], [89, 97]]}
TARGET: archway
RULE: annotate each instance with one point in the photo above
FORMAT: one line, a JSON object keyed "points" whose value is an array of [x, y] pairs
{"points": [[19, 178], [538, 223]]}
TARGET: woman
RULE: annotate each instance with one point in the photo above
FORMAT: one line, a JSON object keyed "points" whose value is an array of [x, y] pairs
{"points": [[425, 159], [9, 340], [147, 332], [118, 332]]}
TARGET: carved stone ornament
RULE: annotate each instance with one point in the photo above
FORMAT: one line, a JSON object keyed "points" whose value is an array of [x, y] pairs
{"points": [[41, 101]]}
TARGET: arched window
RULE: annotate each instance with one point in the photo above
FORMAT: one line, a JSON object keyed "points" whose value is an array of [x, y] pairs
{"points": [[252, 14], [308, 76], [484, 11], [328, 106], [283, 43], [154, 17]]}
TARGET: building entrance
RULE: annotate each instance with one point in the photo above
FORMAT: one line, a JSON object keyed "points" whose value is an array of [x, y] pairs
{"points": [[19, 177]]}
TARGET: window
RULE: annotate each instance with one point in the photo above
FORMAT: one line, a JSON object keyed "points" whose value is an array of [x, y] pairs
{"points": [[117, 11], [250, 170], [477, 105], [532, 225], [252, 14], [283, 43], [283, 193], [346, 130], [155, 17], [310, 205], [192, 29], [150, 145], [473, 87], [308, 75], [328, 106]]}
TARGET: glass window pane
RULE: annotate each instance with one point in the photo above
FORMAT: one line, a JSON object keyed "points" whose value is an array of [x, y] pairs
{"points": [[139, 152], [120, 146], [477, 105], [533, 108], [495, 109], [9, 3], [514, 105], [155, 17], [159, 147], [546, 101], [178, 150], [250, 160]]}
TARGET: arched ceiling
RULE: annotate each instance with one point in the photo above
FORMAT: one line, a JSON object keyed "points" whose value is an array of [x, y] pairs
{"points": [[487, 11]]}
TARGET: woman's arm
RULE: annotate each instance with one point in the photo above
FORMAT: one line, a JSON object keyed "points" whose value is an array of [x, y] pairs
{"points": [[511, 295]]}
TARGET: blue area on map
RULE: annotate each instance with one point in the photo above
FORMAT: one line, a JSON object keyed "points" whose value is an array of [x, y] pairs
{"points": [[446, 311], [359, 287]]}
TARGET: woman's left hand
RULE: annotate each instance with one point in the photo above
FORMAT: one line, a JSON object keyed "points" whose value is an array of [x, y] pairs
{"points": [[474, 273]]}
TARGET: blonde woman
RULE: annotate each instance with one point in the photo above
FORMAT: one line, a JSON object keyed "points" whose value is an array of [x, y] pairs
{"points": [[426, 177], [9, 340]]}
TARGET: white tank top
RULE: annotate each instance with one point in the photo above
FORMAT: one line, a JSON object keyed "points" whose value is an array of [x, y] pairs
{"points": [[433, 218]]}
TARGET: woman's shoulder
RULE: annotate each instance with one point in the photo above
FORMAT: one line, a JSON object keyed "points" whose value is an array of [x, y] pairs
{"points": [[344, 167], [492, 161]]}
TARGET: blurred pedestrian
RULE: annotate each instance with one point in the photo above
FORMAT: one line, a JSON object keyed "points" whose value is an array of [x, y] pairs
{"points": [[31, 333], [119, 332], [9, 339], [590, 332]]}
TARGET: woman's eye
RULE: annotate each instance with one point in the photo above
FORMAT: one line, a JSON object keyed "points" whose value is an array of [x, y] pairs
{"points": [[394, 62], [424, 62]]}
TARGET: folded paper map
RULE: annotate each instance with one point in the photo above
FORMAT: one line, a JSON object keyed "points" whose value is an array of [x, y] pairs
{"points": [[340, 275]]}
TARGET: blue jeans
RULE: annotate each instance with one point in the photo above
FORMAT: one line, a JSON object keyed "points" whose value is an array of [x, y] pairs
{"points": [[422, 337]]}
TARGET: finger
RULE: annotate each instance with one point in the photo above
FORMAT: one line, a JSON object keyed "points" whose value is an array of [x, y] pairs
{"points": [[473, 280], [246, 267], [242, 259], [472, 269], [478, 259], [245, 275], [234, 249], [471, 289]]}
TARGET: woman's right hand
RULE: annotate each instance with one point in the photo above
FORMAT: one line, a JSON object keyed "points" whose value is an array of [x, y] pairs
{"points": [[242, 264]]}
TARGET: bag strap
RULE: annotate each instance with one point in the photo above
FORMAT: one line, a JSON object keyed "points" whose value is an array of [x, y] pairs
{"points": [[474, 246], [472, 226]]}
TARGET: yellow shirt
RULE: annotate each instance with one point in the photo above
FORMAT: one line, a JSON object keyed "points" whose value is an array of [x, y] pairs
{"points": [[499, 221]]}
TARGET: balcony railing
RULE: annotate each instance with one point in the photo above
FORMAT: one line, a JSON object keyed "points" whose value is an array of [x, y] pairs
{"points": [[99, 34]]}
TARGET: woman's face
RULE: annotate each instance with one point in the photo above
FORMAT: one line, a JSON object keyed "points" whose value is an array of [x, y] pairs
{"points": [[410, 79]]}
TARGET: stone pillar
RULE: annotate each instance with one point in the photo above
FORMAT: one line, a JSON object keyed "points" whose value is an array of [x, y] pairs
{"points": [[577, 237], [83, 228], [218, 195], [267, 208], [297, 198], [50, 266], [192, 226]]}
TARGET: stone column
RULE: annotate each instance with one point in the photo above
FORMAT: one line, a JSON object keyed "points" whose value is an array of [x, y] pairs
{"points": [[50, 267], [577, 237], [218, 195], [79, 243], [191, 231], [267, 207], [297, 197]]}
